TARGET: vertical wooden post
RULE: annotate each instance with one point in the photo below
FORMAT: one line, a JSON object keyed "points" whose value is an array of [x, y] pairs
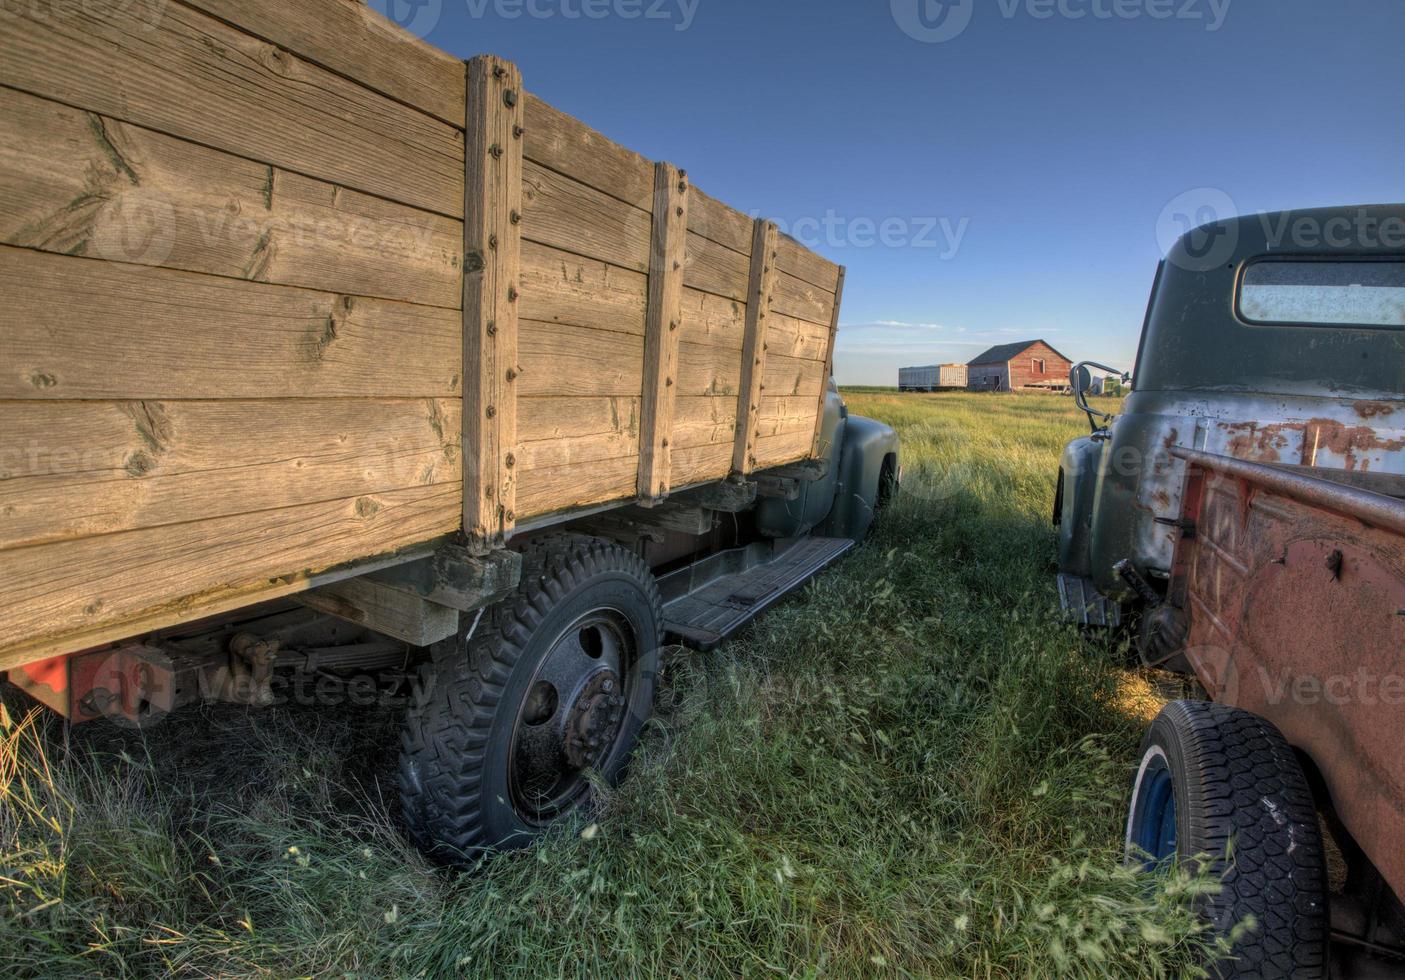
{"points": [[492, 264], [815, 448], [670, 240], [758, 309]]}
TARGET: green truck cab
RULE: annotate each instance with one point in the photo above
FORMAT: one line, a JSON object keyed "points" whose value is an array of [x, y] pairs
{"points": [[1277, 338]]}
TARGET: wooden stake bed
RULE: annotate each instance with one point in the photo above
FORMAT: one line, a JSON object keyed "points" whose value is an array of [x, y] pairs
{"points": [[303, 291]]}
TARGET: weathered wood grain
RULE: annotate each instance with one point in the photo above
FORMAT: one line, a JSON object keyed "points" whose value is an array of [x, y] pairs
{"points": [[596, 362], [568, 417], [78, 469], [81, 328], [716, 269], [711, 219], [568, 146], [760, 300], [797, 260], [563, 213], [797, 338], [792, 376], [704, 420], [560, 489], [559, 287], [395, 613], [797, 298], [351, 39], [662, 322], [78, 183], [783, 447], [492, 234], [71, 594], [701, 463], [712, 320], [705, 369], [170, 68]]}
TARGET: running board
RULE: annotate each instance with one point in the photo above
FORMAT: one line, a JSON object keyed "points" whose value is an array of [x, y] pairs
{"points": [[1085, 605], [709, 601]]}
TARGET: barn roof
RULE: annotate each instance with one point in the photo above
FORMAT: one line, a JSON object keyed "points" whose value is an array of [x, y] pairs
{"points": [[1004, 353]]}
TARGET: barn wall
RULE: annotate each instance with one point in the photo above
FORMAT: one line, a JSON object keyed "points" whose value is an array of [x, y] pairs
{"points": [[989, 377], [1023, 373]]}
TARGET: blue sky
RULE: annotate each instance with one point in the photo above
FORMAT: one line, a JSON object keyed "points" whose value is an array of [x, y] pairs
{"points": [[988, 170]]}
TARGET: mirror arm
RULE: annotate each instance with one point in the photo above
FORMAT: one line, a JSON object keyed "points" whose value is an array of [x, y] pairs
{"points": [[1080, 397]]}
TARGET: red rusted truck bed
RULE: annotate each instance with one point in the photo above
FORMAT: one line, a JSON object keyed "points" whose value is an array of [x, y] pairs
{"points": [[1293, 589]]}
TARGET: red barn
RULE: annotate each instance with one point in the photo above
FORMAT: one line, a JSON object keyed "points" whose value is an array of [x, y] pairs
{"points": [[1030, 364]]}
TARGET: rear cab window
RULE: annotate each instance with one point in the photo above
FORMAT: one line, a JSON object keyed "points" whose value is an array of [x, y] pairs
{"points": [[1351, 293]]}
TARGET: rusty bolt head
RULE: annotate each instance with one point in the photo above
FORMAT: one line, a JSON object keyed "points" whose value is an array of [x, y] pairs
{"points": [[509, 98], [668, 382], [488, 492], [492, 328], [607, 685], [680, 212], [511, 374], [511, 461], [499, 71], [491, 412], [673, 324], [493, 242], [512, 294], [664, 444], [515, 218], [518, 132], [682, 187], [511, 515], [495, 151]]}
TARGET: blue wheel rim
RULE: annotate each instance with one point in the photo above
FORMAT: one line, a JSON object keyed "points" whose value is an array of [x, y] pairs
{"points": [[1153, 829]]}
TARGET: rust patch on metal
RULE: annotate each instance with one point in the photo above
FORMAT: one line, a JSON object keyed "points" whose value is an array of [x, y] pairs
{"points": [[1369, 410]]}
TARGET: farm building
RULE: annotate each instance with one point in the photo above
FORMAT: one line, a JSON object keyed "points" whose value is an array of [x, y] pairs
{"points": [[932, 377], [1029, 364]]}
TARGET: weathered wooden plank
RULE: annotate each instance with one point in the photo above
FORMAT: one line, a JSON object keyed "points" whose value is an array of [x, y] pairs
{"points": [[799, 299], [760, 296], [596, 362], [702, 463], [492, 236], [704, 369], [568, 146], [594, 448], [189, 75], [64, 596], [563, 213], [76, 469], [704, 421], [78, 183], [715, 269], [712, 320], [572, 486], [453, 576], [665, 313], [351, 39], [797, 260], [797, 338], [815, 448], [80, 328], [725, 225], [367, 603], [558, 287], [569, 417], [784, 447], [793, 376]]}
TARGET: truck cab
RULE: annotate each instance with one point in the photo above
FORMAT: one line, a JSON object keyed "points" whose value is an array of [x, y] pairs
{"points": [[1275, 338]]}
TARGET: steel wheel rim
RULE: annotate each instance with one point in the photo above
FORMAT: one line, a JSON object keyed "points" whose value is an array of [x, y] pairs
{"points": [[1154, 833], [572, 714]]}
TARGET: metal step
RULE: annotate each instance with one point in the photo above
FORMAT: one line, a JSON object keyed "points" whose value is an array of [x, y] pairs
{"points": [[1085, 605], [710, 601]]}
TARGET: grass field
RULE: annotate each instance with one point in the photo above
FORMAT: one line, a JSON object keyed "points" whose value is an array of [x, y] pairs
{"points": [[912, 769]]}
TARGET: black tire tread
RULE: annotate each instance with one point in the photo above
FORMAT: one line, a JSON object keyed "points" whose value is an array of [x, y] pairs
{"points": [[1251, 809], [446, 729]]}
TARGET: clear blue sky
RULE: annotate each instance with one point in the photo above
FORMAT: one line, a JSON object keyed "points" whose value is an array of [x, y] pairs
{"points": [[1035, 151]]}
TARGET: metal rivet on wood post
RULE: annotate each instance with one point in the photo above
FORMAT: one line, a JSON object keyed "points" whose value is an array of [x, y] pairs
{"points": [[515, 218], [511, 461], [518, 132], [493, 242], [491, 412], [495, 152], [488, 492], [669, 383], [512, 294], [492, 328], [509, 98], [511, 374], [511, 515]]}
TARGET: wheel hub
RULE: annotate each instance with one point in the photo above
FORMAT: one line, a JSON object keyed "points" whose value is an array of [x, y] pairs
{"points": [[593, 719]]}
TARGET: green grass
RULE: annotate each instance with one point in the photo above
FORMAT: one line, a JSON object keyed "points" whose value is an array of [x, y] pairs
{"points": [[912, 769]]}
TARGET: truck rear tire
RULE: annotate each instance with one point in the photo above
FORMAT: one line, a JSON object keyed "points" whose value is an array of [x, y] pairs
{"points": [[1218, 781], [509, 723]]}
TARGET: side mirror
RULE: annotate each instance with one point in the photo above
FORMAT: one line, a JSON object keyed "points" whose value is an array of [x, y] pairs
{"points": [[1083, 378]]}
